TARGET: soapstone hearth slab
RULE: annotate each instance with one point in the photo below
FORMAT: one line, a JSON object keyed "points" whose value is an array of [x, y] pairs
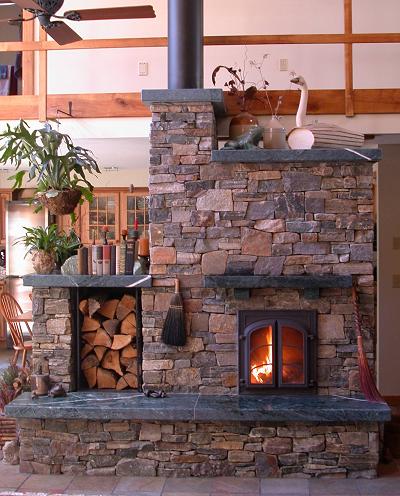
{"points": [[85, 281], [299, 282], [331, 155], [175, 407]]}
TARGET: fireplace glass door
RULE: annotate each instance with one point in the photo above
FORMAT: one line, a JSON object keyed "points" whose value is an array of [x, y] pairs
{"points": [[278, 352]]}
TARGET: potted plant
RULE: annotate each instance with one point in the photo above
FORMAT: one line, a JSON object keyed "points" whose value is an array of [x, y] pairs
{"points": [[42, 243], [13, 380], [67, 246], [245, 91], [58, 166]]}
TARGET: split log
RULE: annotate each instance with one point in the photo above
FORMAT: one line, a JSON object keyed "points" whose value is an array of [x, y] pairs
{"points": [[129, 352], [89, 362], [100, 352], [128, 380], [94, 303], [91, 376], [86, 349], [90, 324], [84, 307], [126, 362], [102, 338], [132, 367], [132, 380], [128, 325], [106, 379], [122, 311], [111, 362], [129, 301], [108, 308], [120, 341], [111, 326], [89, 337]]}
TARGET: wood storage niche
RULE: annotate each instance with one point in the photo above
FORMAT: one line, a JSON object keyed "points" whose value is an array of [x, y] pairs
{"points": [[110, 350]]}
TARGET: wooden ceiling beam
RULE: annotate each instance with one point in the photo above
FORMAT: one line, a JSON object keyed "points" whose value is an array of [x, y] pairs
{"points": [[288, 39], [109, 105]]}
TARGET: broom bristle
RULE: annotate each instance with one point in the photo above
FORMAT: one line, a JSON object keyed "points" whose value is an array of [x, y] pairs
{"points": [[173, 332], [367, 383]]}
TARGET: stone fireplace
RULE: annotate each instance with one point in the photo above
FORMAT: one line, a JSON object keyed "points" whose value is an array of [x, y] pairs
{"points": [[267, 245], [277, 352]]}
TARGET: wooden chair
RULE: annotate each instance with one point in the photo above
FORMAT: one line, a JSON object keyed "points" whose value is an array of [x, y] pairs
{"points": [[10, 309]]}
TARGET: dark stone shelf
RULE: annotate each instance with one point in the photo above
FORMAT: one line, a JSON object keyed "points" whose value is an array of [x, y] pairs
{"points": [[190, 96], [299, 282], [194, 407], [78, 281], [313, 155]]}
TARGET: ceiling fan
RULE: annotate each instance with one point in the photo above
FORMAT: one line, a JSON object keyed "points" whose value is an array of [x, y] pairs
{"points": [[46, 10]]}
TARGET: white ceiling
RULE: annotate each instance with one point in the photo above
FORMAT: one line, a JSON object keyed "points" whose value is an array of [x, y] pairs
{"points": [[124, 153]]}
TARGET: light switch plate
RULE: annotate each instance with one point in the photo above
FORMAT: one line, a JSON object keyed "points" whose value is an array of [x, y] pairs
{"points": [[143, 69]]}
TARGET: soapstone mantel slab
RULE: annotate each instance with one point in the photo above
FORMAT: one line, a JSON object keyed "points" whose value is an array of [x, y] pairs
{"points": [[215, 96], [133, 406], [84, 281], [331, 155], [297, 282]]}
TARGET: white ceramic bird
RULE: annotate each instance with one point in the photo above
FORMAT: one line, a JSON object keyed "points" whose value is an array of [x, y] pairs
{"points": [[318, 135]]}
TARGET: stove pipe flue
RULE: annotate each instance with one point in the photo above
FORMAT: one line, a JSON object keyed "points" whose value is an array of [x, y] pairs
{"points": [[185, 44]]}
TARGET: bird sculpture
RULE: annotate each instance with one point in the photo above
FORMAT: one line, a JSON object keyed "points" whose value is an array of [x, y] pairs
{"points": [[318, 135]]}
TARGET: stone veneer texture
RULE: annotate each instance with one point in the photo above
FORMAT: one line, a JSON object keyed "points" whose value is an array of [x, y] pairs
{"points": [[198, 449], [52, 333], [256, 218]]}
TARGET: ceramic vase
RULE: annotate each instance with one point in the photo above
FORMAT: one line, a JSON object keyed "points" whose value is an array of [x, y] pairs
{"points": [[241, 123], [274, 134]]}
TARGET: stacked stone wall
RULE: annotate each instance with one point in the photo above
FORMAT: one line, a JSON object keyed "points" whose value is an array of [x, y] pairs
{"points": [[267, 219], [52, 333], [198, 449]]}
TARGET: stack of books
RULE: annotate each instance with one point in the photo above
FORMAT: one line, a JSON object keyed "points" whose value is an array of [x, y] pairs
{"points": [[110, 259]]}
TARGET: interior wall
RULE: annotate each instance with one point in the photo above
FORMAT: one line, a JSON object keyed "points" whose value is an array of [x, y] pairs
{"points": [[9, 32], [388, 267]]}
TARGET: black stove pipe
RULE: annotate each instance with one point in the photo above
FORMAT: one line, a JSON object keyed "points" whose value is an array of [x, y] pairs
{"points": [[185, 44]]}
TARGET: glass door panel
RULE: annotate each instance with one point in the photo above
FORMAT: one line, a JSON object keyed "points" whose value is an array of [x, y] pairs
{"points": [[293, 366], [261, 356]]}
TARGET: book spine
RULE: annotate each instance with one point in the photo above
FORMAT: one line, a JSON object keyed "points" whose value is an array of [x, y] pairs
{"points": [[99, 260], [84, 261], [113, 267], [117, 259], [130, 253], [106, 260], [122, 258], [94, 260], [90, 263], [80, 261]]}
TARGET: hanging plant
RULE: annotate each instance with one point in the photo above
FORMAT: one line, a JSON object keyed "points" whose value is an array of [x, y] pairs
{"points": [[58, 166]]}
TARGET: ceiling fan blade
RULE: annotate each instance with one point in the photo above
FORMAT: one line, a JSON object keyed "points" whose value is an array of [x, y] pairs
{"points": [[28, 4], [140, 12], [62, 33]]}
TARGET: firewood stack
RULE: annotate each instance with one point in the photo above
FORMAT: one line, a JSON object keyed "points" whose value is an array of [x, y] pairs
{"points": [[109, 353]]}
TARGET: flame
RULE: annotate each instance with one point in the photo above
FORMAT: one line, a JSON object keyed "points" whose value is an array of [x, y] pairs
{"points": [[261, 370]]}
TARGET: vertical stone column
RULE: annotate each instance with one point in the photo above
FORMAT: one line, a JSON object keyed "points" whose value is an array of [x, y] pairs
{"points": [[52, 333], [182, 137]]}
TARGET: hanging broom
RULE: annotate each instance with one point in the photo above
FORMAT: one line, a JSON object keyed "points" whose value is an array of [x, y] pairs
{"points": [[367, 383], [174, 326]]}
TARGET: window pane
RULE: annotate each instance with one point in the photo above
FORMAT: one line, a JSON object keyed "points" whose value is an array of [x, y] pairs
{"points": [[131, 203], [101, 201]]}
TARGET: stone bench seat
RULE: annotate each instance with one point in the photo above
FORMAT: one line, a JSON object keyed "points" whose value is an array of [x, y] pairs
{"points": [[200, 408]]}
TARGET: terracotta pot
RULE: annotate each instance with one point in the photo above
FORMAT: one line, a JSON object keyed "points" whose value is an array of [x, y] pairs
{"points": [[60, 202], [43, 262], [241, 123]]}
